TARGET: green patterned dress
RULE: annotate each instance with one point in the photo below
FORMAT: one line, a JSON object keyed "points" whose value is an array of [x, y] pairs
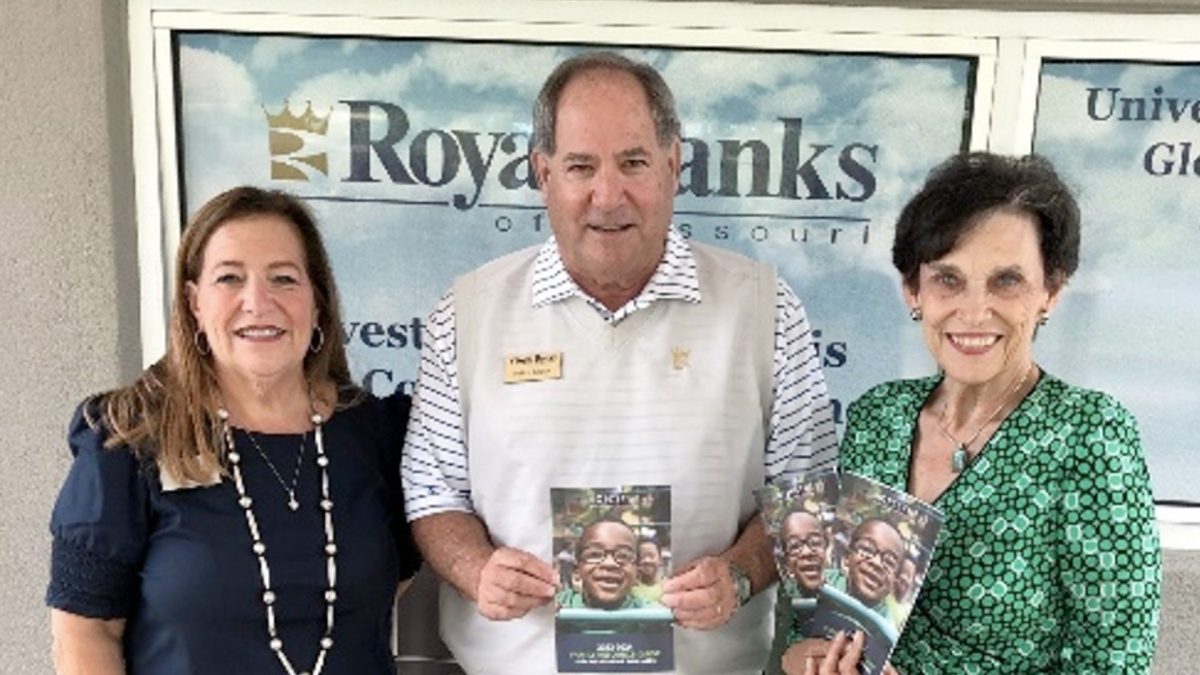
{"points": [[1048, 560]]}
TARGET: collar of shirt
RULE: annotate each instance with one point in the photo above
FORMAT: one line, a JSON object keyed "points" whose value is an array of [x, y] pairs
{"points": [[674, 279]]}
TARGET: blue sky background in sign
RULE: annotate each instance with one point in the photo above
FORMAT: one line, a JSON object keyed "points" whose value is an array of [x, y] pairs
{"points": [[394, 261], [1129, 320]]}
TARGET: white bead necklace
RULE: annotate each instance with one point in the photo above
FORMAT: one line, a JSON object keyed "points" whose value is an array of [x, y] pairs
{"points": [[260, 549]]}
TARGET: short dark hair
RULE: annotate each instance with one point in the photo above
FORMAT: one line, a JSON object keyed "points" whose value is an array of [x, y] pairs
{"points": [[801, 512], [596, 523], [658, 96], [966, 186], [861, 528]]}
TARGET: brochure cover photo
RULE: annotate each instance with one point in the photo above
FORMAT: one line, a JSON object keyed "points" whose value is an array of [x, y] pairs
{"points": [[798, 516], [881, 543], [612, 551]]}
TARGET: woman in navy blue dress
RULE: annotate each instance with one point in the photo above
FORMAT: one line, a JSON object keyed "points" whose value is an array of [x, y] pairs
{"points": [[237, 509]]}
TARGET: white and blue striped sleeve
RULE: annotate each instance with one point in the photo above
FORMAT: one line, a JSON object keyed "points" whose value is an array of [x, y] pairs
{"points": [[802, 436], [434, 465]]}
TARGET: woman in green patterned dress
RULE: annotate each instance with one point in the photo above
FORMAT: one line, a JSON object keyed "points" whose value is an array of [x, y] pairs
{"points": [[1048, 560]]}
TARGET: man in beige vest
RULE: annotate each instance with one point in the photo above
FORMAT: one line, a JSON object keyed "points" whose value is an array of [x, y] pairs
{"points": [[618, 353]]}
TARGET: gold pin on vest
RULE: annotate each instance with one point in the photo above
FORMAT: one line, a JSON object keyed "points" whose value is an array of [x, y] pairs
{"points": [[680, 358]]}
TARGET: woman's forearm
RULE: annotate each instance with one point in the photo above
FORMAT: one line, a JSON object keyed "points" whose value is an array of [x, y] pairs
{"points": [[84, 646]]}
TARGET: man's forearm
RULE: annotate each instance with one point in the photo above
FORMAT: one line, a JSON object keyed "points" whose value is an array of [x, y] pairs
{"points": [[752, 553], [456, 546]]}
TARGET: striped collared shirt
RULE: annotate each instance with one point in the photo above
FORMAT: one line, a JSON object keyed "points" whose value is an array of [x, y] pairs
{"points": [[801, 436]]}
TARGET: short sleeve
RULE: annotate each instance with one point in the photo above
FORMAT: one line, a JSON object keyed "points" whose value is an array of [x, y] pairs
{"points": [[100, 526], [803, 436], [435, 469], [397, 407]]}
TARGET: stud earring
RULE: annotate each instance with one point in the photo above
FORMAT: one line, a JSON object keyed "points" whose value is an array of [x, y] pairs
{"points": [[915, 314], [1044, 318]]}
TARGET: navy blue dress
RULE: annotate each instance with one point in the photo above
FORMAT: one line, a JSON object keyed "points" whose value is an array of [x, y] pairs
{"points": [[178, 566]]}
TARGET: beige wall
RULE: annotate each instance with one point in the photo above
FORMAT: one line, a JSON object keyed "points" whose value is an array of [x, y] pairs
{"points": [[68, 272], [68, 275]]}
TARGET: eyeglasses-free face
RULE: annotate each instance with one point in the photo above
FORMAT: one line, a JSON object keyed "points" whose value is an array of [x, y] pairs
{"points": [[649, 562], [980, 303], [610, 185], [253, 300]]}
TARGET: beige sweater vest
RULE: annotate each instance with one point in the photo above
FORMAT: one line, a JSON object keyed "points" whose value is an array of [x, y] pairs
{"points": [[676, 394]]}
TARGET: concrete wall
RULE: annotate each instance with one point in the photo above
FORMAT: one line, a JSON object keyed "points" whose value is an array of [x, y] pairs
{"points": [[68, 274]]}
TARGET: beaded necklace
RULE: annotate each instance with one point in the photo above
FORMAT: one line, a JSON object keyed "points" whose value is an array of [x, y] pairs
{"points": [[260, 548]]}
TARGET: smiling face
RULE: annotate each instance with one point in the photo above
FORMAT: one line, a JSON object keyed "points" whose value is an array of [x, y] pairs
{"points": [[606, 564], [804, 544], [609, 187], [874, 556], [253, 299], [906, 575], [649, 562], [980, 303]]}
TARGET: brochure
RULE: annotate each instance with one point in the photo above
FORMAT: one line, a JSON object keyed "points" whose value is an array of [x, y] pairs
{"points": [[612, 551], [798, 516], [877, 543]]}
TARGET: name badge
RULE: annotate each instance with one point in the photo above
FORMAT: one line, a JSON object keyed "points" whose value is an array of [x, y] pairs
{"points": [[533, 367]]}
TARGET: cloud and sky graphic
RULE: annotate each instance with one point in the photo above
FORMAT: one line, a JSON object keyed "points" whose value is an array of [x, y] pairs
{"points": [[393, 261], [1129, 317]]}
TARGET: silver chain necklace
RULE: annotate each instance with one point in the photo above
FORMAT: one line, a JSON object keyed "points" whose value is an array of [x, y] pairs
{"points": [[292, 502], [260, 549], [961, 456]]}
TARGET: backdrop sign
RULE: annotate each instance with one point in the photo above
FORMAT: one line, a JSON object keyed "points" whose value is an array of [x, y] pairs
{"points": [[1127, 136], [414, 155]]}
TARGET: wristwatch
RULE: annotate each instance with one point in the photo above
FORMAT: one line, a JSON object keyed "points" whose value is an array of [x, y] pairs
{"points": [[741, 584]]}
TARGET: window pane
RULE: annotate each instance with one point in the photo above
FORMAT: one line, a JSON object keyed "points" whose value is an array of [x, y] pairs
{"points": [[1127, 135]]}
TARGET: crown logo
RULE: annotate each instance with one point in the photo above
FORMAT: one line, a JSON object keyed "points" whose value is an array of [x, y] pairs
{"points": [[288, 135]]}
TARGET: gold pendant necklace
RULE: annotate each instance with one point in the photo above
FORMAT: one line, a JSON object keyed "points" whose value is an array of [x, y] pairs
{"points": [[961, 455]]}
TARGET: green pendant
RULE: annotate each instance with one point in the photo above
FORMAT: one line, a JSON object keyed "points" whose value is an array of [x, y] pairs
{"points": [[958, 461]]}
